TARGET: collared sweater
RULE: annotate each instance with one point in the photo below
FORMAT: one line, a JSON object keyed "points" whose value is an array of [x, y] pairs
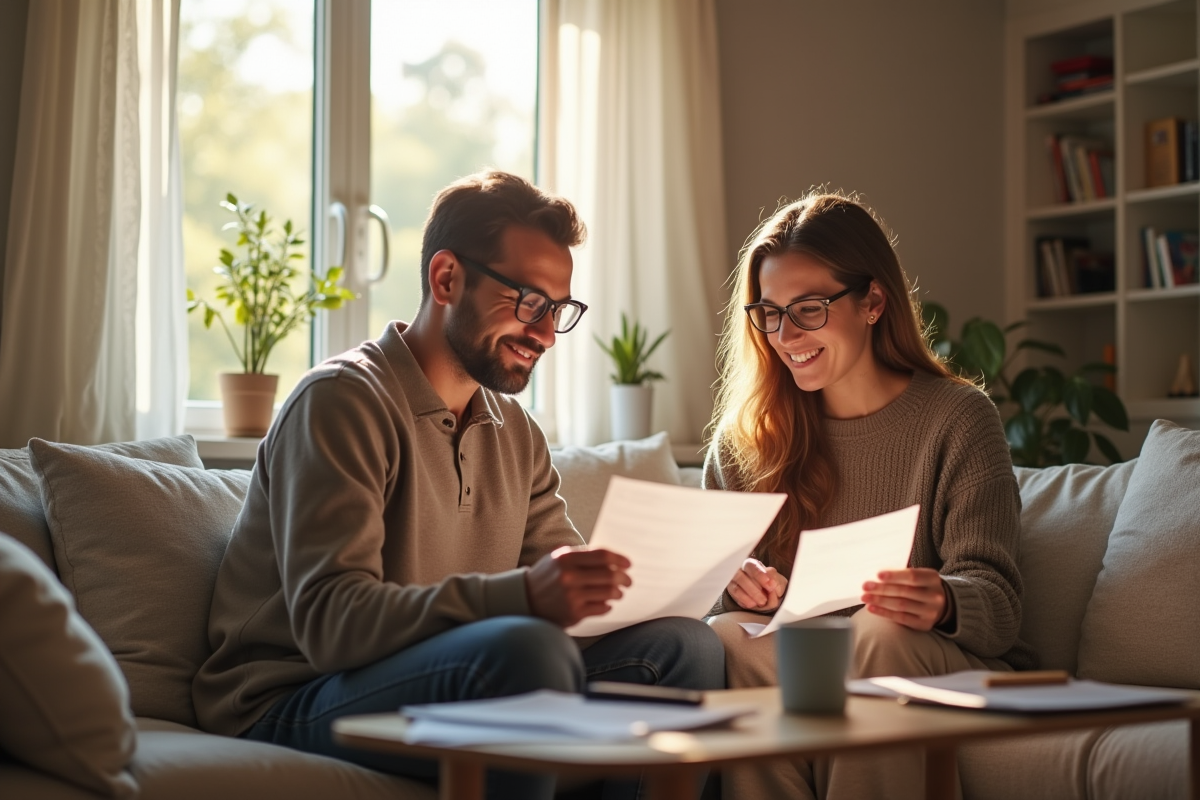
{"points": [[940, 444], [372, 523]]}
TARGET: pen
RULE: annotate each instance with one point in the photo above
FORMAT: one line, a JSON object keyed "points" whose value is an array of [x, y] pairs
{"points": [[1031, 678]]}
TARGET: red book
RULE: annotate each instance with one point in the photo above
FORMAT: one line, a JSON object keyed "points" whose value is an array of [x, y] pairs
{"points": [[1061, 194], [1081, 63], [1093, 158], [1083, 84]]}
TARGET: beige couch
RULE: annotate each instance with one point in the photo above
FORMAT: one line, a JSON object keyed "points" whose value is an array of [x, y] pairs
{"points": [[97, 702]]}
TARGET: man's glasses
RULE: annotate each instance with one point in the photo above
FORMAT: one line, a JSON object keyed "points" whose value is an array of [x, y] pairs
{"points": [[810, 313], [533, 304]]}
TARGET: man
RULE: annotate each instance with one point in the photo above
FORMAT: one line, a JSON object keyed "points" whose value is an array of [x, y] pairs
{"points": [[402, 540]]}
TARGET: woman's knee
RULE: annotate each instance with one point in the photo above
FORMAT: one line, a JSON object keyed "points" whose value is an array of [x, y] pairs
{"points": [[884, 647], [748, 661]]}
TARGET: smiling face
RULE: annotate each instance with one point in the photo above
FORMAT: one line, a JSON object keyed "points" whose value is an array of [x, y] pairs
{"points": [[493, 347], [836, 359]]}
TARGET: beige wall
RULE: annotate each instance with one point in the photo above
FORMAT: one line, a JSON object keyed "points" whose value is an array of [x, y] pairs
{"points": [[12, 60], [900, 101]]}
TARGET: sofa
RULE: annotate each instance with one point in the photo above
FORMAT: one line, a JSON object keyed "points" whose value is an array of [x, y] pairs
{"points": [[109, 556]]}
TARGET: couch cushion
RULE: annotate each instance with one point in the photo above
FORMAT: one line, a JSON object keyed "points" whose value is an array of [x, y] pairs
{"points": [[1048, 765], [1141, 761], [585, 472], [177, 763], [63, 702], [138, 543], [1141, 624], [1066, 515], [21, 514]]}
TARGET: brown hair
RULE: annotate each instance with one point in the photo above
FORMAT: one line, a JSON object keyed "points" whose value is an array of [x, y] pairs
{"points": [[769, 429], [470, 215]]}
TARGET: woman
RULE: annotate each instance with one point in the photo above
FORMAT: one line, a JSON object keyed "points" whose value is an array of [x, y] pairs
{"points": [[830, 394]]}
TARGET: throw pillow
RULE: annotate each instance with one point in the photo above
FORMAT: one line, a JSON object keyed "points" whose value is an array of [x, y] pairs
{"points": [[585, 472], [21, 514], [1141, 624], [1067, 514], [138, 543], [63, 702]]}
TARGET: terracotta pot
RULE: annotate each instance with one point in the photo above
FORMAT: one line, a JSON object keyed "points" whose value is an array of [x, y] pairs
{"points": [[249, 402]]}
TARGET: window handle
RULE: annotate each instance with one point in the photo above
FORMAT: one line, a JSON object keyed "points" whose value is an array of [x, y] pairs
{"points": [[377, 213], [337, 212]]}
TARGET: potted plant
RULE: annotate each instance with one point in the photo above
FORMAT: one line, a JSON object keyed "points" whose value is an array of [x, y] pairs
{"points": [[1039, 433], [631, 394], [258, 286]]}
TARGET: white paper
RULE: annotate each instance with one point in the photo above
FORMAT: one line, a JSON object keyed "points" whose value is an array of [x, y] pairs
{"points": [[548, 715], [967, 690], [684, 544], [832, 564]]}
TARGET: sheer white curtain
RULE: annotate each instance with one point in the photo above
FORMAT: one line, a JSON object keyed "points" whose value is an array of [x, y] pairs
{"points": [[630, 131], [93, 208]]}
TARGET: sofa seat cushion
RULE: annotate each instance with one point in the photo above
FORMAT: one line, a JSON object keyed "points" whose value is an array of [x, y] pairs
{"points": [[21, 515], [175, 762], [1142, 624], [63, 702], [585, 472], [1053, 766], [1141, 761], [139, 543], [1067, 513]]}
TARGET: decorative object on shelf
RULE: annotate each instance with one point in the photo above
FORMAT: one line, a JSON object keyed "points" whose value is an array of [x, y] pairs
{"points": [[1079, 75], [631, 394], [1184, 384], [1038, 434], [257, 285]]}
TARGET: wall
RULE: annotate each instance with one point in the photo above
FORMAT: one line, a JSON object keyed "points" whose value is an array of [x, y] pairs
{"points": [[12, 61], [902, 102]]}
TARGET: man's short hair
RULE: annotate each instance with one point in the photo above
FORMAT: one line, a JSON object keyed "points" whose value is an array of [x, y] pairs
{"points": [[470, 215]]}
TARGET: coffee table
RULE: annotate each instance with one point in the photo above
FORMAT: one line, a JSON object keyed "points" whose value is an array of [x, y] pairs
{"points": [[670, 761]]}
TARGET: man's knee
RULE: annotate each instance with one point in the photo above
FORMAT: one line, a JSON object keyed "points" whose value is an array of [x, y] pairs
{"points": [[697, 649], [524, 654]]}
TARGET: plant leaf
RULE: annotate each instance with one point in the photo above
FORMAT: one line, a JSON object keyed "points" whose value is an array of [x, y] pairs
{"points": [[1109, 408], [1033, 344], [1029, 389], [1076, 444], [1024, 433], [984, 346], [1077, 397], [1107, 448]]}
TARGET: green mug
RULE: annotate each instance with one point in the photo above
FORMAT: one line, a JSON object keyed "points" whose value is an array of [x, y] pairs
{"points": [[813, 661]]}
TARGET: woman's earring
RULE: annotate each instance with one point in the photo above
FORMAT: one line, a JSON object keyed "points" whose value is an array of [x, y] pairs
{"points": [[871, 319]]}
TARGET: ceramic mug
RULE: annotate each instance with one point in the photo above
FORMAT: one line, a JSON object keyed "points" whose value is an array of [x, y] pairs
{"points": [[813, 659]]}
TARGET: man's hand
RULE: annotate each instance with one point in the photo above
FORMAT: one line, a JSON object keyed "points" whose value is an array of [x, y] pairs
{"points": [[756, 587], [573, 583], [915, 598]]}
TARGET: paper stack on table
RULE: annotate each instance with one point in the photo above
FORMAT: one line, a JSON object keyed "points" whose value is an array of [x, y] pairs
{"points": [[549, 716], [968, 689], [684, 544]]}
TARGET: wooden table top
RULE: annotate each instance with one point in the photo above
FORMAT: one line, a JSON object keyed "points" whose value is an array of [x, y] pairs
{"points": [[870, 723]]}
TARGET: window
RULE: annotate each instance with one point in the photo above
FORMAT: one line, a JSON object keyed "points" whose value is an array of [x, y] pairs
{"points": [[280, 99]]}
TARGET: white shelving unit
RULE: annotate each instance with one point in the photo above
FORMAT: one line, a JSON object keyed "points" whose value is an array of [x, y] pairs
{"points": [[1156, 68]]}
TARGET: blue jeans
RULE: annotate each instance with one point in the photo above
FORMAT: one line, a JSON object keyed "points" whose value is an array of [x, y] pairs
{"points": [[493, 658]]}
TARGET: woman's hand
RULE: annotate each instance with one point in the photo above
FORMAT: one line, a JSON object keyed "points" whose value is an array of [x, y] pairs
{"points": [[756, 587], [916, 598]]}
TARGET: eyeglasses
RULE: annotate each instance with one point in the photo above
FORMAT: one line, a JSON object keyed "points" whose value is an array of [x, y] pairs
{"points": [[533, 304], [810, 314]]}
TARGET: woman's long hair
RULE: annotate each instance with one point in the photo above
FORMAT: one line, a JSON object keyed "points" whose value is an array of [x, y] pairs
{"points": [[768, 429]]}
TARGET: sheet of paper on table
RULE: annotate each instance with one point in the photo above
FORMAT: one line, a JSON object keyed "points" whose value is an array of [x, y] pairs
{"points": [[685, 545], [833, 563], [554, 716], [967, 690]]}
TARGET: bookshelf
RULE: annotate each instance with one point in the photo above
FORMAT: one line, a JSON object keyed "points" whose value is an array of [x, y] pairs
{"points": [[1155, 64]]}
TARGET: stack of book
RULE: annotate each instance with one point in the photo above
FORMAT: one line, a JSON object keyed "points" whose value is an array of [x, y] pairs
{"points": [[1081, 168], [1172, 151], [1067, 265], [1077, 76], [1170, 258]]}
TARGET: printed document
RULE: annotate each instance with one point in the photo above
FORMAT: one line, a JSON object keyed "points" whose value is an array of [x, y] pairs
{"points": [[832, 564], [684, 545], [547, 716]]}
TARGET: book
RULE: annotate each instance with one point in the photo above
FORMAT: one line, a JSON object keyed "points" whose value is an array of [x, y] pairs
{"points": [[1182, 254], [1092, 63], [1057, 176], [1163, 164], [1151, 276], [1191, 151], [1164, 262]]}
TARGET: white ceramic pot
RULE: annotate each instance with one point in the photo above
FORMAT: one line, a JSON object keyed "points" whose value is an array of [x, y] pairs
{"points": [[629, 410]]}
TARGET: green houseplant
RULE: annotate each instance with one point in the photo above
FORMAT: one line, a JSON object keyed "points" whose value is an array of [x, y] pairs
{"points": [[258, 287], [631, 394], [1046, 410]]}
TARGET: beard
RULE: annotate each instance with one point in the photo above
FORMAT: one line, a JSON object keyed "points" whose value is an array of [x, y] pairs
{"points": [[484, 363]]}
